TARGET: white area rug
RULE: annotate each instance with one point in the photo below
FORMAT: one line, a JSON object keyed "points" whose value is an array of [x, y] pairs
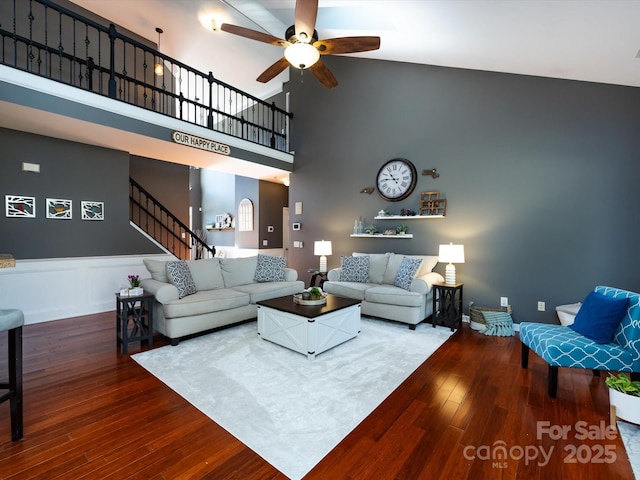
{"points": [[289, 410]]}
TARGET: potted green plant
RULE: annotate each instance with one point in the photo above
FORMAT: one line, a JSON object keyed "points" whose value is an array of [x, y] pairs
{"points": [[402, 229], [371, 230], [624, 396]]}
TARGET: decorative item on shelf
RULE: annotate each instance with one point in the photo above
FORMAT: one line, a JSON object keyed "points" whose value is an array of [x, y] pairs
{"points": [[389, 232], [432, 204], [383, 213], [407, 212], [370, 229], [322, 248], [222, 222], [451, 254], [357, 227], [402, 229], [624, 398]]}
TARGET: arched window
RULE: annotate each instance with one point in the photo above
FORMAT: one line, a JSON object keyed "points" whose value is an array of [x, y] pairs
{"points": [[245, 215]]}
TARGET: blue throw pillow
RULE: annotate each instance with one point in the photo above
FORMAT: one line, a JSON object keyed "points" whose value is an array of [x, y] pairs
{"points": [[406, 271], [599, 316], [354, 269]]}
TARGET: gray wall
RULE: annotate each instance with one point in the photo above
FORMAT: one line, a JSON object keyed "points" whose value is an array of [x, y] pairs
{"points": [[539, 175], [70, 171], [167, 182], [222, 192]]}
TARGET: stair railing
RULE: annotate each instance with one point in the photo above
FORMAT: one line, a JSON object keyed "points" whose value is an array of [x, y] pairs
{"points": [[46, 39], [164, 227]]}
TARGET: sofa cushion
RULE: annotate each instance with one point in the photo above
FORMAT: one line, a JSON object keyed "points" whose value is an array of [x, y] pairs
{"points": [[206, 301], [269, 268], [266, 290], [406, 272], [157, 269], [377, 265], [180, 275], [562, 347], [206, 273], [347, 289], [395, 260], [392, 295], [354, 269], [238, 271], [599, 317]]}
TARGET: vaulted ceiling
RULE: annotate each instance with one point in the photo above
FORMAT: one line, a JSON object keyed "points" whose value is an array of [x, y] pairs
{"points": [[590, 40]]}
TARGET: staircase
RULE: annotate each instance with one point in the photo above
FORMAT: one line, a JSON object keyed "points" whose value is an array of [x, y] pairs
{"points": [[165, 228]]}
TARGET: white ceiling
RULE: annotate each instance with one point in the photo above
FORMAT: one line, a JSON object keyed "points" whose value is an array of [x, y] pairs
{"points": [[590, 40]]}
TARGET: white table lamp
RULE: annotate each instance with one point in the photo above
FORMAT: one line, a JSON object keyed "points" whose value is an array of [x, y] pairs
{"points": [[322, 248], [451, 254]]}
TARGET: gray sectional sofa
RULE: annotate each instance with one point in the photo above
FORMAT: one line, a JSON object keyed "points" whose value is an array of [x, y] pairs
{"points": [[222, 291], [379, 291]]}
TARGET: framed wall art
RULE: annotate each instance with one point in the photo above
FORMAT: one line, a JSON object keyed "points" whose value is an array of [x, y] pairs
{"points": [[20, 206], [92, 210], [59, 209]]}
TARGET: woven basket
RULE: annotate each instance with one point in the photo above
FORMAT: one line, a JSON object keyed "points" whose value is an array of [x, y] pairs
{"points": [[7, 261], [475, 314]]}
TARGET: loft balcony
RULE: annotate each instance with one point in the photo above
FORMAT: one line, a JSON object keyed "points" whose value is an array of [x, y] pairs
{"points": [[55, 62]]}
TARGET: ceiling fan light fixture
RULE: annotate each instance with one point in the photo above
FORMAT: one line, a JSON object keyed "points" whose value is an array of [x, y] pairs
{"points": [[301, 55]]}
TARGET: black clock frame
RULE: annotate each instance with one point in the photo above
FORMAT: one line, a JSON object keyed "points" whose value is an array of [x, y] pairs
{"points": [[414, 180]]}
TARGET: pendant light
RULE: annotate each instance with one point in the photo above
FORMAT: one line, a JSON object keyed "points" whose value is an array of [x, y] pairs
{"points": [[158, 69]]}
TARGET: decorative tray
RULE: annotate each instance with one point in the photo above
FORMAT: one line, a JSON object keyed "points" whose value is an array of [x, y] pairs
{"points": [[297, 298]]}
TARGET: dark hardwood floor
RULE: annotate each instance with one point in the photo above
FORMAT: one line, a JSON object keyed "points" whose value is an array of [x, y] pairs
{"points": [[91, 412]]}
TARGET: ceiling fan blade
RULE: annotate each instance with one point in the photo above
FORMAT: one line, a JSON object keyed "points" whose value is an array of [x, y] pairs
{"points": [[273, 70], [333, 46], [323, 74], [253, 35], [305, 22]]}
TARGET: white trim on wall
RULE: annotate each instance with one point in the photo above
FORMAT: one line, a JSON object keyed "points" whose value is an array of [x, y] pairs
{"points": [[58, 288]]}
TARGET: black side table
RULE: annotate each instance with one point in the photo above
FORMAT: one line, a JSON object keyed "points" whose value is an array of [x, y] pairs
{"points": [[134, 317], [317, 275], [447, 305]]}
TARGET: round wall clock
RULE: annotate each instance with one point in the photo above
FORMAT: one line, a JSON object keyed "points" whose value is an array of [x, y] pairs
{"points": [[397, 179]]}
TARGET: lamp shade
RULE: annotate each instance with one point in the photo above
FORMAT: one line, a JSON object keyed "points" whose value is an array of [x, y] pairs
{"points": [[301, 55], [322, 247], [451, 253]]}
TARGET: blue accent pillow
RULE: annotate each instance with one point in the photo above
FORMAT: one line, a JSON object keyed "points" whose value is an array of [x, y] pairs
{"points": [[599, 316], [270, 269], [180, 275], [354, 269], [406, 271]]}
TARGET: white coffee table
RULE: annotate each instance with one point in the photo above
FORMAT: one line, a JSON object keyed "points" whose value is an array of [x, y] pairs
{"points": [[306, 329]]}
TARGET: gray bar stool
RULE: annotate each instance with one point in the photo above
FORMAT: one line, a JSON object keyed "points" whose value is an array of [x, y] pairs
{"points": [[12, 322]]}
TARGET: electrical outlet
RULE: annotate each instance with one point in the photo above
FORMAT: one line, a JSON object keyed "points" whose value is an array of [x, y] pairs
{"points": [[504, 301], [541, 306]]}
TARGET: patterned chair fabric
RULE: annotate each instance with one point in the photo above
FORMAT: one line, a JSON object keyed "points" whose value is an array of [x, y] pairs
{"points": [[560, 346]]}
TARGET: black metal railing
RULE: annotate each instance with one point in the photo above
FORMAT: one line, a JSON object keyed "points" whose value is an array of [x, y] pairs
{"points": [[51, 41], [164, 227]]}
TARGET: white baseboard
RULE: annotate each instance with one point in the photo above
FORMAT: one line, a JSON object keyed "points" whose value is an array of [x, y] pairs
{"points": [[53, 289]]}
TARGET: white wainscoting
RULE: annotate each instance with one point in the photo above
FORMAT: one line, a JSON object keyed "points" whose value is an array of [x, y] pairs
{"points": [[58, 288]]}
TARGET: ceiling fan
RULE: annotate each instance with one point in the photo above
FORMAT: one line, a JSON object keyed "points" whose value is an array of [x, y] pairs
{"points": [[302, 47]]}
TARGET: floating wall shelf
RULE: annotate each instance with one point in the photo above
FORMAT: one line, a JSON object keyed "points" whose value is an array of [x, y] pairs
{"points": [[381, 235], [406, 217]]}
